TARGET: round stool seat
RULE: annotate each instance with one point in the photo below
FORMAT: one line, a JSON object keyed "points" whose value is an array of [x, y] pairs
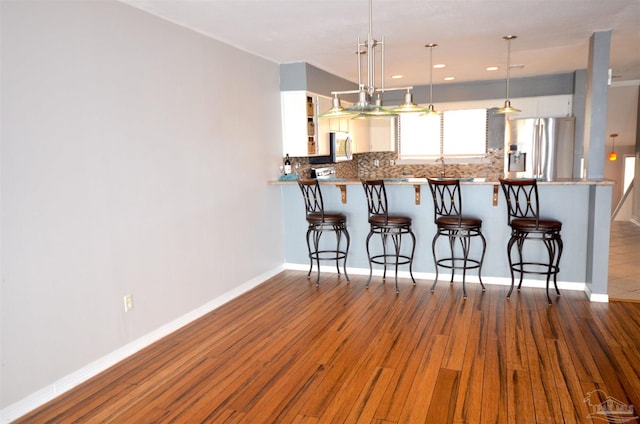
{"points": [[326, 218], [390, 220], [451, 222], [531, 225]]}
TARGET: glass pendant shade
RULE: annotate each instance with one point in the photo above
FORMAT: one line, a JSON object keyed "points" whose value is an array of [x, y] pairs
{"points": [[374, 111], [507, 108], [336, 110], [431, 111], [408, 106]]}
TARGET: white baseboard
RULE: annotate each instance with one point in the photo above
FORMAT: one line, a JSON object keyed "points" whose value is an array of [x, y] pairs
{"points": [[596, 297], [68, 382], [503, 281]]}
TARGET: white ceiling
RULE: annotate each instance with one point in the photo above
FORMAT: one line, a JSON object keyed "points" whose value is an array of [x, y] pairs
{"points": [[553, 35]]}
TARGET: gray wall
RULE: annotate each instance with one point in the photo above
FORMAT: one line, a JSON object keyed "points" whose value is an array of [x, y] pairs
{"points": [[122, 140]]}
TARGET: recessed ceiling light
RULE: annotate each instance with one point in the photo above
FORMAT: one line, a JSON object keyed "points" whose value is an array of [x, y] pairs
{"points": [[396, 76], [492, 68], [439, 66], [449, 78]]}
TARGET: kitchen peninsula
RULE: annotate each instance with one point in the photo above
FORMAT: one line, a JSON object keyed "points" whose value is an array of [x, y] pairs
{"points": [[582, 206]]}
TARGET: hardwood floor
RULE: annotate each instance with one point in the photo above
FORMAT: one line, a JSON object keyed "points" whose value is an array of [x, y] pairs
{"points": [[289, 352]]}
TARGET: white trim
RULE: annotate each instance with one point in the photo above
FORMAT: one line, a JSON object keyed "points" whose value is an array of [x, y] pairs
{"points": [[624, 83], [68, 382], [596, 297], [501, 281]]}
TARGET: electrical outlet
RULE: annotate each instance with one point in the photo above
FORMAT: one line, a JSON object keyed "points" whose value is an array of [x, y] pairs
{"points": [[376, 162], [128, 302], [392, 162]]}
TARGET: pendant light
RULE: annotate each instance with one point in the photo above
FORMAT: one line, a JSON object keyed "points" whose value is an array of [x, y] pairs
{"points": [[507, 103], [613, 155], [369, 104], [408, 106], [336, 111], [431, 111]]}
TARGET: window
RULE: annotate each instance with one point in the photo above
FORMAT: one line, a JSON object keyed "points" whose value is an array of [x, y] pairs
{"points": [[452, 133]]}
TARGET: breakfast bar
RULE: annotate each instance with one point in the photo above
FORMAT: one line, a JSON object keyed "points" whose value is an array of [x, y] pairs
{"points": [[581, 205]]}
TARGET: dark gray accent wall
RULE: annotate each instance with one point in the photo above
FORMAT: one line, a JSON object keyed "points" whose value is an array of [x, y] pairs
{"points": [[303, 76], [293, 76], [545, 85], [322, 82]]}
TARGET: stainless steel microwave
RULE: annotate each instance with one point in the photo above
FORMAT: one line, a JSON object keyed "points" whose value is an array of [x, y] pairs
{"points": [[340, 146], [340, 149]]}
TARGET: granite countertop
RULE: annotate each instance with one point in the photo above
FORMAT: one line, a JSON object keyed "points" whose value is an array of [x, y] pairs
{"points": [[416, 181]]}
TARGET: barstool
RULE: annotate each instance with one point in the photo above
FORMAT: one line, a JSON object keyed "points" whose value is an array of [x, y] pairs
{"points": [[447, 208], [320, 221], [394, 226], [523, 216]]}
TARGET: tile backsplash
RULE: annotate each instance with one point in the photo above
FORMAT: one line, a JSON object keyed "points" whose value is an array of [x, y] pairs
{"points": [[382, 165]]}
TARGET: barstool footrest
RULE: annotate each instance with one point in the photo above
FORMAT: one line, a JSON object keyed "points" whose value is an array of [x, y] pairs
{"points": [[450, 263], [328, 255], [521, 267], [390, 259]]}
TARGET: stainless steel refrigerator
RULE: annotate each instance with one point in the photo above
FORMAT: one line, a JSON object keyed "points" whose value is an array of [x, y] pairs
{"points": [[539, 148]]}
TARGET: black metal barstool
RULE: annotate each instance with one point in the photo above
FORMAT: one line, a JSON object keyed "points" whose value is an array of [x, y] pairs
{"points": [[523, 216], [320, 221], [387, 226], [451, 223]]}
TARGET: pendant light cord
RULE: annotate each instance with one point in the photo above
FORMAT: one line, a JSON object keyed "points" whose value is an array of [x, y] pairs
{"points": [[508, 38], [431, 74]]}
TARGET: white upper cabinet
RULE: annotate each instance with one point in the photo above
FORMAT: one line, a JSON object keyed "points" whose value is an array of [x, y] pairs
{"points": [[543, 107], [303, 134], [359, 130], [382, 134], [324, 125]]}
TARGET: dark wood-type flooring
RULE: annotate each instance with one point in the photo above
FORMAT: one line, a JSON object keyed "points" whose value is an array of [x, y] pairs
{"points": [[290, 352]]}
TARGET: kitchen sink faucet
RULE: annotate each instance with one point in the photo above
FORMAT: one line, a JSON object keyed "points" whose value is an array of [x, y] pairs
{"points": [[442, 172]]}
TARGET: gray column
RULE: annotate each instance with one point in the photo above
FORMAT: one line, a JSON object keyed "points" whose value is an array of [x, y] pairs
{"points": [[596, 104], [598, 242], [579, 109]]}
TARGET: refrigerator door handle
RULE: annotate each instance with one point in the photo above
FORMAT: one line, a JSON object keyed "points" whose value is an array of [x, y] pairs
{"points": [[536, 150]]}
